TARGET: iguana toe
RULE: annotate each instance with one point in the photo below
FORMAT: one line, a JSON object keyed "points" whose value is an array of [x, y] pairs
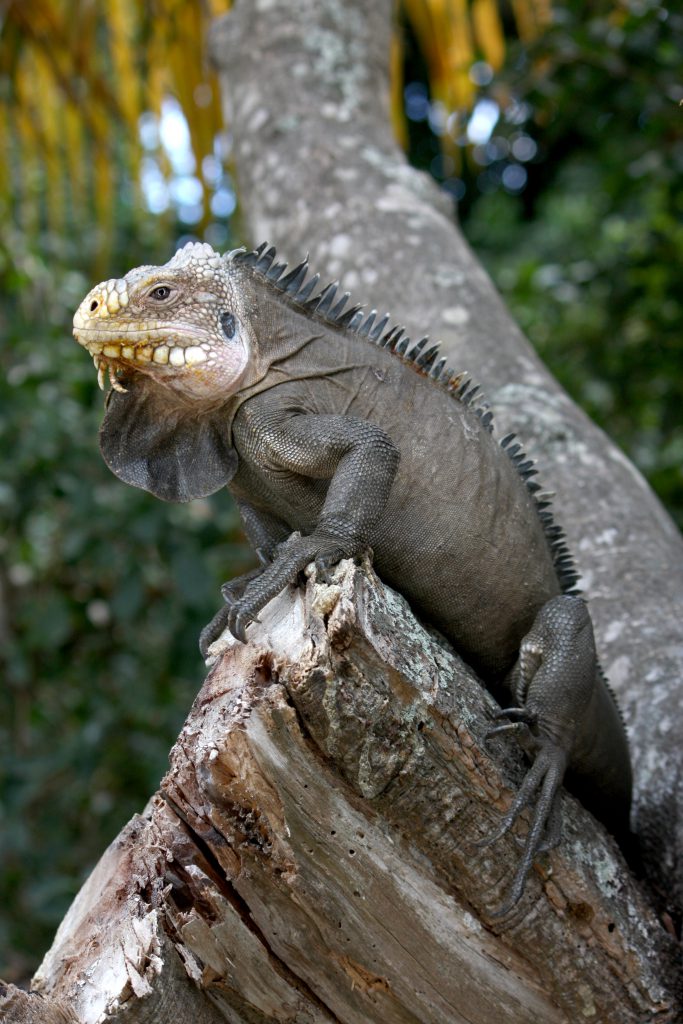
{"points": [[212, 631], [543, 778], [233, 589], [239, 618], [520, 721], [327, 559]]}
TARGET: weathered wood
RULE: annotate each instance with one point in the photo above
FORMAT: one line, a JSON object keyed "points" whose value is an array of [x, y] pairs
{"points": [[19, 1007], [306, 91], [311, 856], [111, 952]]}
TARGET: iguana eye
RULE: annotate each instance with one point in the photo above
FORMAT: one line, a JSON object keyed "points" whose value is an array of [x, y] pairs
{"points": [[228, 324], [160, 293]]}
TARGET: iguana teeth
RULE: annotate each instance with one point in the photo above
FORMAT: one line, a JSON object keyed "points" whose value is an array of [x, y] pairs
{"points": [[100, 376], [194, 354]]}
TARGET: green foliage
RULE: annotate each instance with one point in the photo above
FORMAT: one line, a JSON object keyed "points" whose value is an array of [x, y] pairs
{"points": [[103, 591], [588, 254]]}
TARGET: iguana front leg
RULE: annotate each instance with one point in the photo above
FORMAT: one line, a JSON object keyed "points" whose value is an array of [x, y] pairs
{"points": [[553, 683], [359, 460], [264, 532]]}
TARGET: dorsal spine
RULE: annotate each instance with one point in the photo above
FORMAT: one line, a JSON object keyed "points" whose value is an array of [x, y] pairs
{"points": [[420, 356]]}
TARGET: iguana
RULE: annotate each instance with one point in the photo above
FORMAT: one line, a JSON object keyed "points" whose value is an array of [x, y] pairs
{"points": [[337, 435]]}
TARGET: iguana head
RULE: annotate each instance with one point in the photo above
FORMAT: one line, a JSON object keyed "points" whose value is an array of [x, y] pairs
{"points": [[177, 324], [174, 344]]}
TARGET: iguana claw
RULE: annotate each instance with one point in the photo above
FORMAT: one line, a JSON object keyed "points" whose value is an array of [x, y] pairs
{"points": [[326, 561], [291, 558], [239, 618], [231, 591], [545, 774], [519, 720]]}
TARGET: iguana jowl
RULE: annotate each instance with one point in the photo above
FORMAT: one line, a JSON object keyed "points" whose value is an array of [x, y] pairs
{"points": [[336, 434]]}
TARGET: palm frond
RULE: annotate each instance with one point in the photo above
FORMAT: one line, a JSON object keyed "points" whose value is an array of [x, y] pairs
{"points": [[77, 76]]}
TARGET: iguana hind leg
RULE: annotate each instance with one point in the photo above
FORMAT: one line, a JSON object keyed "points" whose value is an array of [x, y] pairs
{"points": [[553, 683]]}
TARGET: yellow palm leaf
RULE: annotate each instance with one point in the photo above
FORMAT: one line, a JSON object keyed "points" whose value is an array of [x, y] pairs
{"points": [[488, 32], [84, 72]]}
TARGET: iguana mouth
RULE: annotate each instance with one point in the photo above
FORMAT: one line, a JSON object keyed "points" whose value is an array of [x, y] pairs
{"points": [[109, 356]]}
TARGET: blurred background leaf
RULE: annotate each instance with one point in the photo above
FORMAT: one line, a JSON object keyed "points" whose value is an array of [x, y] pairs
{"points": [[557, 131]]}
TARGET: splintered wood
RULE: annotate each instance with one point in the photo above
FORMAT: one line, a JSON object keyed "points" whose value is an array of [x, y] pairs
{"points": [[311, 853]]}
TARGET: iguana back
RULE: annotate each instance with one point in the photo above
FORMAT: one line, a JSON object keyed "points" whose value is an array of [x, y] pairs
{"points": [[461, 535]]}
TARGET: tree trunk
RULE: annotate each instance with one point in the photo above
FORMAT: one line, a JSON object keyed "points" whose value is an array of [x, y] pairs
{"points": [[306, 91], [311, 855]]}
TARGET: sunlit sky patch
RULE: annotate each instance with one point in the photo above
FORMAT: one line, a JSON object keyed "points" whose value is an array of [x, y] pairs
{"points": [[171, 180], [166, 141], [483, 120]]}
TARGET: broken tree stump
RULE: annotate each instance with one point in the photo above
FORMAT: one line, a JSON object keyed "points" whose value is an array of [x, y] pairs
{"points": [[310, 855]]}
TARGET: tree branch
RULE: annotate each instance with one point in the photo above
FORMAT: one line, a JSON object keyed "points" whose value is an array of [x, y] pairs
{"points": [[306, 90]]}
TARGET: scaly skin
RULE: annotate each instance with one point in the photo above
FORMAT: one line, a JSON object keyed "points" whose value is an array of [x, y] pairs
{"points": [[336, 436]]}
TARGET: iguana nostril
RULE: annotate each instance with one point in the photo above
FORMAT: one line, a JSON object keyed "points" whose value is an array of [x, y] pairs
{"points": [[93, 305]]}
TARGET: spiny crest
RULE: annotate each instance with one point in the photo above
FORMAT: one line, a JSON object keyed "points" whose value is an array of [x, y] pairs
{"points": [[563, 562], [610, 689], [420, 356]]}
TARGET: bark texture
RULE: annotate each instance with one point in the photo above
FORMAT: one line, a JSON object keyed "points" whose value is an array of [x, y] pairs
{"points": [[311, 854], [306, 91], [19, 1007]]}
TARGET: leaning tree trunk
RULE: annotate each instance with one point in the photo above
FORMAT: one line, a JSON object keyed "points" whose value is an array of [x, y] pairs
{"points": [[311, 855], [306, 89]]}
